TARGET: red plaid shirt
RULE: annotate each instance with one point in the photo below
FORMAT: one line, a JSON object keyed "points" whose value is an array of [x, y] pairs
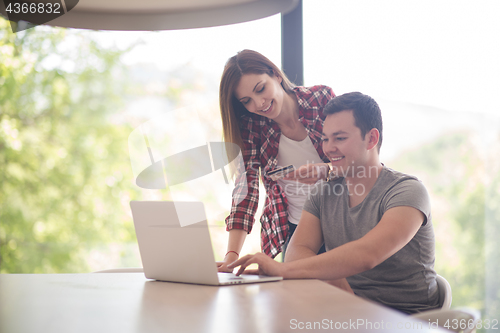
{"points": [[261, 137]]}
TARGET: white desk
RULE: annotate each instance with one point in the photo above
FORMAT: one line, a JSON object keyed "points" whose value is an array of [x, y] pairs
{"points": [[128, 302]]}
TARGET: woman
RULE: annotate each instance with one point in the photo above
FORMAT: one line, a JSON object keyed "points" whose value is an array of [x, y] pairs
{"points": [[275, 124]]}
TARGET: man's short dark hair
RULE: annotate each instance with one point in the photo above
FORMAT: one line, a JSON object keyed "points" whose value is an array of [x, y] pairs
{"points": [[365, 110]]}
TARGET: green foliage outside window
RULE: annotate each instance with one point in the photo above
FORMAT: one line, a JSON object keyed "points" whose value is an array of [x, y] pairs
{"points": [[64, 165]]}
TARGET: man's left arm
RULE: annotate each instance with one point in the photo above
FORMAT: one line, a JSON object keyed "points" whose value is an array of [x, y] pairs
{"points": [[396, 228]]}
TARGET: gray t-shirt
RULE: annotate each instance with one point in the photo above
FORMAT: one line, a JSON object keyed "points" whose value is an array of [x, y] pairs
{"points": [[405, 281]]}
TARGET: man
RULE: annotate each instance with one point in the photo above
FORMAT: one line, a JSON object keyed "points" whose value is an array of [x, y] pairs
{"points": [[375, 222]]}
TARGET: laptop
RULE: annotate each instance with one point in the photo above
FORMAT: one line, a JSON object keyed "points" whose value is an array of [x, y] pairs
{"points": [[175, 247]]}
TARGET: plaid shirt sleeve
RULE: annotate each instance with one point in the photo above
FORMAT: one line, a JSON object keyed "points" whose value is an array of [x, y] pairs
{"points": [[242, 215]]}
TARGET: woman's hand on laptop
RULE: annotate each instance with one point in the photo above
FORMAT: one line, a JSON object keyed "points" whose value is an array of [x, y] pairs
{"points": [[230, 257], [267, 266]]}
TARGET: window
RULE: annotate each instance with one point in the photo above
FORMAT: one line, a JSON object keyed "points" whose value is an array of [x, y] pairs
{"points": [[69, 101]]}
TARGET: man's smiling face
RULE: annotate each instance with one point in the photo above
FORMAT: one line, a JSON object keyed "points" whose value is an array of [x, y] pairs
{"points": [[342, 142]]}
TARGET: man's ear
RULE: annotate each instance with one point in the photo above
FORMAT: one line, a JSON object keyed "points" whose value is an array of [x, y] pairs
{"points": [[373, 136]]}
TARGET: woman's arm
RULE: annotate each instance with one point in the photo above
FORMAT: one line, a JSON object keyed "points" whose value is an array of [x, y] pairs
{"points": [[245, 195], [236, 239]]}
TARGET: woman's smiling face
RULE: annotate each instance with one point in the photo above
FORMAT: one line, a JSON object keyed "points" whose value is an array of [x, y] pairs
{"points": [[261, 94]]}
